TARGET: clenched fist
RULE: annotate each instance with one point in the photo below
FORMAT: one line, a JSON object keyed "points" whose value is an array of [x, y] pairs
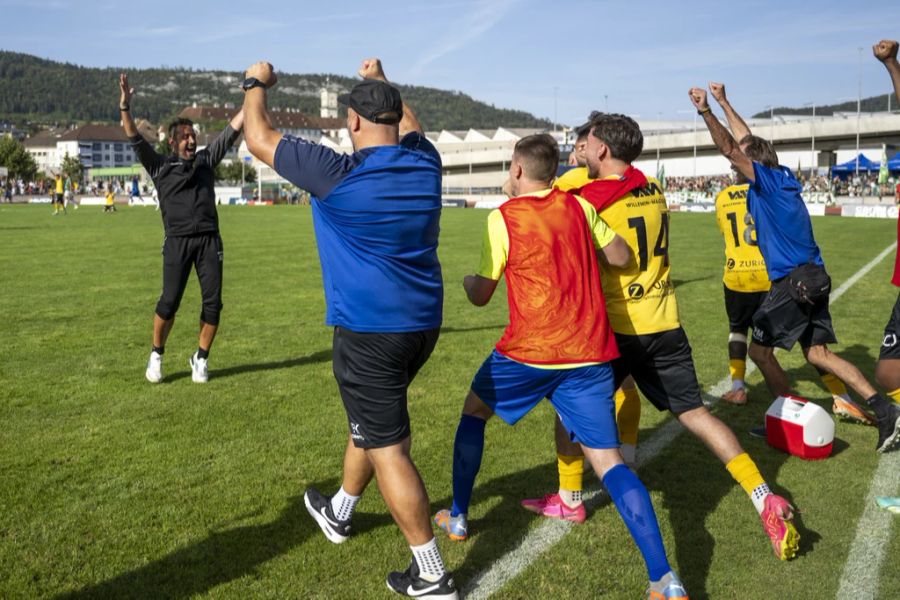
{"points": [[263, 71], [698, 98], [718, 91], [371, 69], [885, 50]]}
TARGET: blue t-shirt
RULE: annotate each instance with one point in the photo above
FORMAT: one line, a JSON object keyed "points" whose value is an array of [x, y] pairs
{"points": [[376, 214], [783, 227]]}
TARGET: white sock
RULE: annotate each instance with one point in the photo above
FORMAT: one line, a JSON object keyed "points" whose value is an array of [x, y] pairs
{"points": [[737, 384], [629, 454], [571, 498], [343, 504], [428, 558], [844, 397], [759, 497]]}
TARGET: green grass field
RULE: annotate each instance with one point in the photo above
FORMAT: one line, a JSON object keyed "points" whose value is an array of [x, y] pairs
{"points": [[113, 487]]}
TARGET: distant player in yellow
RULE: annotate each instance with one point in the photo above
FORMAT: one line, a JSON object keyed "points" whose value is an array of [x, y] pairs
{"points": [[567, 504], [746, 285], [110, 200], [58, 198]]}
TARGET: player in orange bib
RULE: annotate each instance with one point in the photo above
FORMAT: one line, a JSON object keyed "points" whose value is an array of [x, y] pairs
{"points": [[644, 314]]}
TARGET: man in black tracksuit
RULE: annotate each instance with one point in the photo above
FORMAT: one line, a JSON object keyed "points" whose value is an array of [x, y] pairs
{"points": [[185, 180]]}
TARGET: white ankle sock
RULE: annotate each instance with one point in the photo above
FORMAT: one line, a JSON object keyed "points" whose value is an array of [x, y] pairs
{"points": [[343, 504], [737, 384], [758, 497], [428, 558], [571, 498]]}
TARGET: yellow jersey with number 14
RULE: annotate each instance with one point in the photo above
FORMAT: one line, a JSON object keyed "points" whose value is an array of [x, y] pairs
{"points": [[640, 299], [745, 268]]}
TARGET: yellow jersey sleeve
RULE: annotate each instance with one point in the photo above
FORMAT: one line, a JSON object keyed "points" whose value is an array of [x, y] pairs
{"points": [[745, 268], [494, 247], [600, 231], [572, 179], [640, 298]]}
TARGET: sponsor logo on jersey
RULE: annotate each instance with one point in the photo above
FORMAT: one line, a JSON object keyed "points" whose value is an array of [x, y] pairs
{"points": [[635, 291]]}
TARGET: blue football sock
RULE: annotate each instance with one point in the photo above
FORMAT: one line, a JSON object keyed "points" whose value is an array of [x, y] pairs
{"points": [[633, 502], [467, 451]]}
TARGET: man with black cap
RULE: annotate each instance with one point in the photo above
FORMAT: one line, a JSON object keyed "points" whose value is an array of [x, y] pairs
{"points": [[376, 215]]}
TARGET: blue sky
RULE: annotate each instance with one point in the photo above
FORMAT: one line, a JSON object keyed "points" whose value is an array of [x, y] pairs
{"points": [[638, 57]]}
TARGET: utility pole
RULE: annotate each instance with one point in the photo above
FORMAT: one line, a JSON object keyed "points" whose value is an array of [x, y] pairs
{"points": [[858, 109]]}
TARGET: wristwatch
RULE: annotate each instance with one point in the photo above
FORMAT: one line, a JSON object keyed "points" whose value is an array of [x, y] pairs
{"points": [[252, 82]]}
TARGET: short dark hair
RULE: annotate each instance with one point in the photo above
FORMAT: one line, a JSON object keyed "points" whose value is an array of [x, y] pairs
{"points": [[620, 133], [539, 156], [760, 150], [176, 124]]}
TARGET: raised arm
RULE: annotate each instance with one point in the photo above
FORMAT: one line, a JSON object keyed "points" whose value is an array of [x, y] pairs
{"points": [[262, 138], [371, 69], [739, 128], [886, 52], [225, 140], [125, 94], [145, 153], [723, 140]]}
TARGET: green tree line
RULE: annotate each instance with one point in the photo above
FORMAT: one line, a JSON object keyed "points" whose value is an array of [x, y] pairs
{"points": [[48, 92]]}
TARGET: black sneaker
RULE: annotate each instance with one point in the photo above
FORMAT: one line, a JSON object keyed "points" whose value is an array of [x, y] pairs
{"points": [[408, 583], [889, 430], [319, 508]]}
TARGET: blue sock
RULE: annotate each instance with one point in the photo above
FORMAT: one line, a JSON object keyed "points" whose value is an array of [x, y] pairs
{"points": [[633, 502], [467, 450]]}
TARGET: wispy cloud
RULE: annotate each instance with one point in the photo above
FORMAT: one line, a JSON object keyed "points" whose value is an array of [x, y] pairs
{"points": [[486, 14], [148, 32]]}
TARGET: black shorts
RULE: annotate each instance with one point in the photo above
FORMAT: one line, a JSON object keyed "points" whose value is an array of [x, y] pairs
{"points": [[202, 252], [373, 372], [662, 367], [890, 344], [740, 308], [781, 321]]}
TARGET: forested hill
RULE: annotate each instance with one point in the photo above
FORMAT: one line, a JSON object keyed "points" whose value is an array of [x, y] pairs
{"points": [[873, 104], [43, 91]]}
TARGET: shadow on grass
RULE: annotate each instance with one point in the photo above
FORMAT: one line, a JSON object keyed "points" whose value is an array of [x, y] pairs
{"points": [[690, 501], [318, 357], [221, 557]]}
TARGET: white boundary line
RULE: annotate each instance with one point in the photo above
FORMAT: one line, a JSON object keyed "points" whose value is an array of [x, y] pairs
{"points": [[551, 531], [873, 534]]}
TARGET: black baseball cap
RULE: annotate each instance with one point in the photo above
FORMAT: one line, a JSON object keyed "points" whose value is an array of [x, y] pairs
{"points": [[375, 101]]}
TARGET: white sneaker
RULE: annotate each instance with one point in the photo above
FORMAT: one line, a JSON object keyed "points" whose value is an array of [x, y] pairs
{"points": [[199, 370], [154, 368]]}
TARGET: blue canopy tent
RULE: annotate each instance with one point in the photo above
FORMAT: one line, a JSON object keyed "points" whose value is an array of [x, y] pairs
{"points": [[849, 167], [894, 162]]}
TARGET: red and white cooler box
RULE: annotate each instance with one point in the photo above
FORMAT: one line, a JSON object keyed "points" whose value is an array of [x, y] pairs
{"points": [[799, 427]]}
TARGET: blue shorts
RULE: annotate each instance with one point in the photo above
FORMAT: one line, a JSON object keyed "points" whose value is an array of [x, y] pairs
{"points": [[582, 397]]}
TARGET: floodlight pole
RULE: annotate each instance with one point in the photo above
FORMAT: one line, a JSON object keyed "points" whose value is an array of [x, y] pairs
{"points": [[812, 135], [555, 118], [858, 109], [695, 143], [658, 133]]}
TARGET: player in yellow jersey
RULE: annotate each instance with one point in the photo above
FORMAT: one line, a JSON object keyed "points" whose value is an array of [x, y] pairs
{"points": [[566, 504], [644, 315], [746, 283]]}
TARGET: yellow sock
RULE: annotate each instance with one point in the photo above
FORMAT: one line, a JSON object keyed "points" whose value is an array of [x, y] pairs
{"points": [[744, 471], [895, 395], [571, 468], [628, 415], [738, 368], [835, 385]]}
